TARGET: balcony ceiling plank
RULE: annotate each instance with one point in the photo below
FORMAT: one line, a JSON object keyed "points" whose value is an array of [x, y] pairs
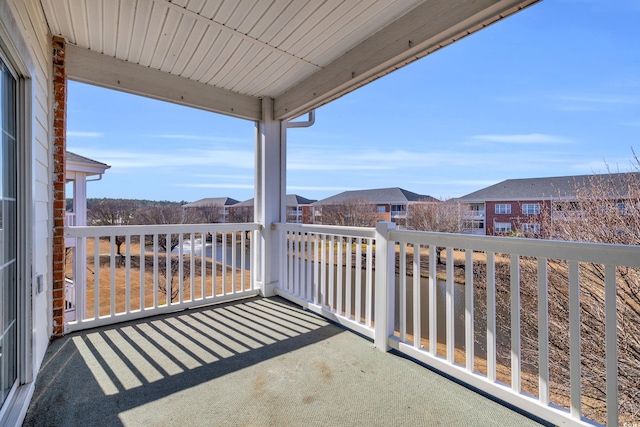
{"points": [[426, 28], [302, 53], [86, 66]]}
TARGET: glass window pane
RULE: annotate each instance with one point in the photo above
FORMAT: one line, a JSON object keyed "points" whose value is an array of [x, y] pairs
{"points": [[8, 234]]}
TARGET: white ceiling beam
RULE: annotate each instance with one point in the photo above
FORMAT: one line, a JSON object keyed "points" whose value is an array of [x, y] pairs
{"points": [[429, 27], [86, 66]]}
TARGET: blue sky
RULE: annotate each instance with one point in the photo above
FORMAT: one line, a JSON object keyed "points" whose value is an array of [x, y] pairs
{"points": [[553, 90]]}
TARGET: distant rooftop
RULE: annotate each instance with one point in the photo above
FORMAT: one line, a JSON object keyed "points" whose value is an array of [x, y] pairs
{"points": [[558, 187], [292, 200], [78, 163], [394, 195], [212, 201]]}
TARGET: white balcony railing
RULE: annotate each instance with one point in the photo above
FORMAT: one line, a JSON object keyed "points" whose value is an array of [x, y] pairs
{"points": [[329, 270], [505, 315], [70, 219], [520, 301], [126, 272], [475, 214]]}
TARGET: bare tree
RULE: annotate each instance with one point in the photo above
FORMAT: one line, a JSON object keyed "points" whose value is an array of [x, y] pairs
{"points": [[241, 214], [175, 277], [606, 209], [350, 213], [113, 212], [435, 216], [205, 214], [163, 214]]}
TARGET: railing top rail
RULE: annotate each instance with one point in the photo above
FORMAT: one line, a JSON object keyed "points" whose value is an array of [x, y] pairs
{"points": [[599, 253], [336, 230], [132, 230]]}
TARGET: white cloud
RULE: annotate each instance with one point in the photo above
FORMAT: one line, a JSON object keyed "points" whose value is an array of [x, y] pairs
{"points": [[531, 138], [317, 188], [594, 102], [214, 185], [119, 159], [200, 138], [80, 134], [224, 176], [601, 99]]}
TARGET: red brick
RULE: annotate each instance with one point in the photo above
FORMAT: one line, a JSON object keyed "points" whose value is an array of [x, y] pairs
{"points": [[58, 45]]}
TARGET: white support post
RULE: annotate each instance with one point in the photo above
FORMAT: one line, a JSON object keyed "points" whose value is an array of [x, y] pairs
{"points": [[269, 206], [384, 286], [80, 260]]}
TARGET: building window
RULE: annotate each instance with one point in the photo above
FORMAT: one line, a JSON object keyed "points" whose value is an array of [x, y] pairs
{"points": [[531, 228], [477, 209], [503, 208], [622, 208], [531, 208], [382, 209], [502, 227], [8, 233]]}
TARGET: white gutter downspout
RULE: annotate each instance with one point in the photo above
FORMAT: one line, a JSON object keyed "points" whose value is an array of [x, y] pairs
{"points": [[308, 123], [288, 125], [96, 179]]}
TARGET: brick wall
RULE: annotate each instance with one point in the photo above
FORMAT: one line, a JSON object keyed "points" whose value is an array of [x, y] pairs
{"points": [[516, 218], [59, 150]]}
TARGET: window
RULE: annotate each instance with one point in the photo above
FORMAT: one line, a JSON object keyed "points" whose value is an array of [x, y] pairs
{"points": [[531, 208], [531, 228], [622, 208], [503, 208], [398, 208], [502, 227], [8, 234], [382, 209]]}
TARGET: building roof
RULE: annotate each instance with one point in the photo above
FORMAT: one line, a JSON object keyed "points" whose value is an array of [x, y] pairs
{"points": [[292, 200], [212, 201], [228, 56], [557, 187], [78, 163], [394, 196]]}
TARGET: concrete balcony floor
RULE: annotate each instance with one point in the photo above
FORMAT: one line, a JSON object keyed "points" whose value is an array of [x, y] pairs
{"points": [[254, 362]]}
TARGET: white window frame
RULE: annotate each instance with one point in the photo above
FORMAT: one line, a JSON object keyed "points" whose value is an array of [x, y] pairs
{"points": [[502, 227], [531, 227], [382, 209], [503, 208], [19, 396], [531, 208]]}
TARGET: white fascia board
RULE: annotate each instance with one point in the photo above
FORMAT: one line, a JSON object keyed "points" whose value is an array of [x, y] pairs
{"points": [[91, 67], [86, 168], [423, 30]]}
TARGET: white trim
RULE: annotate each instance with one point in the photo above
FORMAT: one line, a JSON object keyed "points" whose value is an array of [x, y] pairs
{"points": [[423, 30], [535, 208], [499, 207], [86, 66], [15, 406]]}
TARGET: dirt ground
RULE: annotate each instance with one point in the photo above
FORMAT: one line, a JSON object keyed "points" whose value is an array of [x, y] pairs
{"points": [[151, 295]]}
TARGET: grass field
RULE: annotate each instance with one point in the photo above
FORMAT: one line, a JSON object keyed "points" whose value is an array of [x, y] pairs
{"points": [[152, 294]]}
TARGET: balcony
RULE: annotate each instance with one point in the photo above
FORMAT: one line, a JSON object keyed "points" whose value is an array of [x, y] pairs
{"points": [[487, 317], [398, 214], [250, 362], [476, 214]]}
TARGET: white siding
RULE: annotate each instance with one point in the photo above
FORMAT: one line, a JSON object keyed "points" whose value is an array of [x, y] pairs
{"points": [[32, 40]]}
